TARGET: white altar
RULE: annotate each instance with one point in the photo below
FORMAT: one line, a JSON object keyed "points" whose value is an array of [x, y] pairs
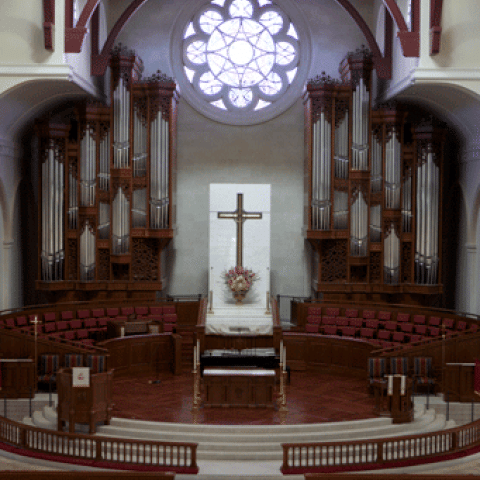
{"points": [[224, 316]]}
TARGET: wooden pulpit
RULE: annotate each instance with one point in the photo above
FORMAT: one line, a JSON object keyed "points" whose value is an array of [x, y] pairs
{"points": [[84, 404]]}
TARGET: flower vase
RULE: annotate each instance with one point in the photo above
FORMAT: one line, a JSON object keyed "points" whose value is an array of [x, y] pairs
{"points": [[239, 296]]}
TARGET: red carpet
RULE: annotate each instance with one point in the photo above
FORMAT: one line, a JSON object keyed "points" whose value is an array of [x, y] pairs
{"points": [[312, 397]]}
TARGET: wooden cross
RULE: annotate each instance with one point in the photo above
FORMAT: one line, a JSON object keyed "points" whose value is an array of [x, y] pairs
{"points": [[239, 216]]}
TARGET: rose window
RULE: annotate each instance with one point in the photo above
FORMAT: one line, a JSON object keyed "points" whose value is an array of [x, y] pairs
{"points": [[241, 55]]}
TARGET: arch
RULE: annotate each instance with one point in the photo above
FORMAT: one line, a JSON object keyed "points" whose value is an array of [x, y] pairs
{"points": [[100, 62], [4, 209], [74, 36]]}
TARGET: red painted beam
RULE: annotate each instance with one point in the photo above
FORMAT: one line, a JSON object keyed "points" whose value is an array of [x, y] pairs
{"points": [[48, 23], [436, 7], [409, 39], [383, 65], [100, 62], [74, 35]]}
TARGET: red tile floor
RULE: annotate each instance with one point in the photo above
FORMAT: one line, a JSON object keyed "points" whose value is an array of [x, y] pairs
{"points": [[312, 397]]}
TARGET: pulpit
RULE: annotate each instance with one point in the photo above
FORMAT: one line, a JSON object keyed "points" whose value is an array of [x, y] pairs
{"points": [[393, 397], [84, 404]]}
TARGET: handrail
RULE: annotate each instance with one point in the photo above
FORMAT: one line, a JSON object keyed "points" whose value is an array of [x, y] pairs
{"points": [[323, 457], [176, 457]]}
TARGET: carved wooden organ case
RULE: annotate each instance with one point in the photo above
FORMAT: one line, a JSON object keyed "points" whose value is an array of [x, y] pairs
{"points": [[373, 201], [107, 200]]}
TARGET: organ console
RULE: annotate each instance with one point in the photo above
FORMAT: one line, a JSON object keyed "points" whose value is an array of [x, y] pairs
{"points": [[106, 187], [373, 198]]}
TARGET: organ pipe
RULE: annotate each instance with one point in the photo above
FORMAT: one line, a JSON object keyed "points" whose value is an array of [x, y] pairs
{"points": [[104, 170], [87, 254], [88, 169], [72, 200], [360, 133], [321, 173], [427, 219], [52, 250], [340, 210], [377, 161], [139, 208], [375, 223], [359, 226], [121, 123], [392, 172], [104, 221], [139, 144], [159, 172], [407, 203], [341, 149], [391, 257], [120, 224]]}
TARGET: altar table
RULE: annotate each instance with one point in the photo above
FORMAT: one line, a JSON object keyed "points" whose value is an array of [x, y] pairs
{"points": [[253, 387]]}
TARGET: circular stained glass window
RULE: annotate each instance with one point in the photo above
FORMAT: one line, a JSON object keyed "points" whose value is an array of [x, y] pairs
{"points": [[242, 61]]}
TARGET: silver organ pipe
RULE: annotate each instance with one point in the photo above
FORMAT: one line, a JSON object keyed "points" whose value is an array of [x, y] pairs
{"points": [[391, 257], [427, 213], [139, 208], [407, 203], [72, 200], [120, 224], [340, 210], [159, 172], [341, 149], [52, 251], [392, 172], [139, 145], [321, 173], [360, 122], [104, 167], [87, 254], [121, 122], [359, 226], [104, 221], [376, 173], [88, 169], [376, 223]]}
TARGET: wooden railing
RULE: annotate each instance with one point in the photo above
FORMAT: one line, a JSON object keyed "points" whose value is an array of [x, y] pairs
{"points": [[380, 452], [101, 451]]}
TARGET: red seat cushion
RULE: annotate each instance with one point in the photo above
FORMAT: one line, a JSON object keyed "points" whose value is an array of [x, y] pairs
{"points": [[83, 313], [384, 315], [311, 328], [112, 312], [461, 325], [127, 311], [141, 311], [314, 319], [356, 322], [448, 323], [384, 335], [75, 324], [81, 334], [90, 323], [351, 313], [366, 332], [61, 326], [406, 327], [168, 327], [156, 310], [98, 312], [348, 331], [170, 318], [419, 319], [433, 331], [313, 311], [328, 320], [332, 312], [371, 323], [403, 317], [434, 321], [49, 317], [330, 330], [169, 309], [69, 335], [67, 315], [420, 329], [391, 325], [21, 321], [341, 321], [50, 327], [369, 314], [398, 337]]}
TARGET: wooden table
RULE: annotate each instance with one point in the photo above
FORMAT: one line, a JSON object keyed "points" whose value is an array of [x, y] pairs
{"points": [[239, 387]]}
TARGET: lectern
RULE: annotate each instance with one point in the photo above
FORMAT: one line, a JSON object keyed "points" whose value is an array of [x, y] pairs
{"points": [[84, 404]]}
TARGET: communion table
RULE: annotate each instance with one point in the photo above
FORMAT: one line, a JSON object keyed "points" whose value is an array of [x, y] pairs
{"points": [[239, 387]]}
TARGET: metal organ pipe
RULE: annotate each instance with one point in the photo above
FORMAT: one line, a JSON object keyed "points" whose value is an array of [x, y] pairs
{"points": [[104, 221], [121, 122], [340, 210], [361, 108], [359, 227], [392, 172], [375, 223], [427, 212], [87, 169], [87, 254], [104, 170], [376, 176], [159, 173], [321, 171], [139, 145], [341, 149], [407, 204], [72, 200], [391, 255], [52, 251], [139, 213], [120, 223]]}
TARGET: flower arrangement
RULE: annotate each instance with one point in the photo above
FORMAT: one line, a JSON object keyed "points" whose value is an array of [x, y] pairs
{"points": [[240, 279]]}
